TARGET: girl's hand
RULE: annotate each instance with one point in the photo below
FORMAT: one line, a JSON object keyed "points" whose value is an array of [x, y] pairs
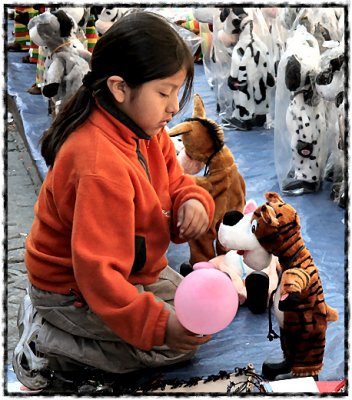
{"points": [[180, 339], [192, 220]]}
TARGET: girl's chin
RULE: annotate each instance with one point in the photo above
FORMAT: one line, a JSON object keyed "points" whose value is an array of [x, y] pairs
{"points": [[154, 132]]}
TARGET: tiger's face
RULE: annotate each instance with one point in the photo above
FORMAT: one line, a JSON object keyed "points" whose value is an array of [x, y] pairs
{"points": [[274, 223]]}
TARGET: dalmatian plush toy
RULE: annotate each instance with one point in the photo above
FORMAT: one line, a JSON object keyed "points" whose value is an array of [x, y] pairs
{"points": [[330, 85], [229, 34], [303, 156], [107, 17], [250, 74]]}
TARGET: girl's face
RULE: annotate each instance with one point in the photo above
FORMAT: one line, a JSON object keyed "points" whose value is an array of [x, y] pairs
{"points": [[154, 103]]}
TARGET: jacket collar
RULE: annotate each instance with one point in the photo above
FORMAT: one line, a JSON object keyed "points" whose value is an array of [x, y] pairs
{"points": [[108, 106]]}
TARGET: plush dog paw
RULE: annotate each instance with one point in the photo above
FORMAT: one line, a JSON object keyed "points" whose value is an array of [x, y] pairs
{"points": [[185, 269], [257, 285]]}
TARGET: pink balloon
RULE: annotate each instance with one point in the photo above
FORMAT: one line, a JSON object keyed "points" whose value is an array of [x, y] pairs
{"points": [[206, 301]]}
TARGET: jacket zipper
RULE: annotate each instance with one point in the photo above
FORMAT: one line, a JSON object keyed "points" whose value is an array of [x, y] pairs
{"points": [[142, 160]]}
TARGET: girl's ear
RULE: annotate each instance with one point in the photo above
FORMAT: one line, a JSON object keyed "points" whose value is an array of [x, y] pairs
{"points": [[117, 87]]}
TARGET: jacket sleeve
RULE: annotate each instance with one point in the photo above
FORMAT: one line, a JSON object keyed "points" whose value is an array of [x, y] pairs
{"points": [[102, 253], [182, 186]]}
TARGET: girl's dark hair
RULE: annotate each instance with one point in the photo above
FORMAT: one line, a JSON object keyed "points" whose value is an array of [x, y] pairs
{"points": [[139, 47]]}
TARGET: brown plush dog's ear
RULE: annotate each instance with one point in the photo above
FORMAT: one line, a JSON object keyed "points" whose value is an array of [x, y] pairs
{"points": [[273, 197], [198, 107], [268, 215], [180, 129]]}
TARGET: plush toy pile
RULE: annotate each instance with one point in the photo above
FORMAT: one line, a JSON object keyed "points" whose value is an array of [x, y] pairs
{"points": [[304, 122], [299, 301], [262, 66]]}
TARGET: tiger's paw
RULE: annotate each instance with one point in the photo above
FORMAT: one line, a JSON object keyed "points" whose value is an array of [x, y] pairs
{"points": [[289, 301]]}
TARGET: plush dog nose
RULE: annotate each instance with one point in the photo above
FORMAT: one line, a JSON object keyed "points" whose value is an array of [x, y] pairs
{"points": [[232, 217]]}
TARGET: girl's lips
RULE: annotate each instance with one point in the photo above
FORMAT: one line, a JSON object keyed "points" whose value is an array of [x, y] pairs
{"points": [[240, 252], [165, 122]]}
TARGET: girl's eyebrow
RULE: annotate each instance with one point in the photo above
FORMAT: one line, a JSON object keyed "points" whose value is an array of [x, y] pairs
{"points": [[174, 85]]}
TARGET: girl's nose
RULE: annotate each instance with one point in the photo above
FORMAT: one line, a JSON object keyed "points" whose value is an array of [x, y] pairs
{"points": [[173, 106]]}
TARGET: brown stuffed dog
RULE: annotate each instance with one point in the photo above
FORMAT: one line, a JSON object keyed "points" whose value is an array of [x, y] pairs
{"points": [[203, 140]]}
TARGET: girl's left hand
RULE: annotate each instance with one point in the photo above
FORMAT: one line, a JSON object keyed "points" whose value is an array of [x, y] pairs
{"points": [[192, 220]]}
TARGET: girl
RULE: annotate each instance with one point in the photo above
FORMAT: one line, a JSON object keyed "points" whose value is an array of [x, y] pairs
{"points": [[113, 198]]}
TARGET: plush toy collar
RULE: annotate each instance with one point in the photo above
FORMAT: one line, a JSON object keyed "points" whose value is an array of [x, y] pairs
{"points": [[60, 47], [287, 262]]}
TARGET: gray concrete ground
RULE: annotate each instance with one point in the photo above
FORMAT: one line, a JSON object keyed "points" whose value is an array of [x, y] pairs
{"points": [[21, 190]]}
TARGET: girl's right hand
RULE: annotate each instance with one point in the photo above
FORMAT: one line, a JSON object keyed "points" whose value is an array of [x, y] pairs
{"points": [[180, 339]]}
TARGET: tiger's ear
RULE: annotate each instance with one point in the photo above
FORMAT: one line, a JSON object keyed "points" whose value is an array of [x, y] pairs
{"points": [[273, 197], [198, 107], [269, 216]]}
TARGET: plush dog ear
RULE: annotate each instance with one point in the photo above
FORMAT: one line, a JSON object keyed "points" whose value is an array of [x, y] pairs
{"points": [[268, 215], [66, 23], [198, 107], [180, 129]]}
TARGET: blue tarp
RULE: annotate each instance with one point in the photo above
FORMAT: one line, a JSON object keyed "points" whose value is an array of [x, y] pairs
{"points": [[323, 228]]}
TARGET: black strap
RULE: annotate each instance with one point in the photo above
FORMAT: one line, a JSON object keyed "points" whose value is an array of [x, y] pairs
{"points": [[288, 261], [271, 334], [206, 169]]}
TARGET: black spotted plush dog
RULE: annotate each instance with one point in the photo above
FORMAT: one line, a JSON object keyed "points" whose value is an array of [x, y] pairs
{"points": [[250, 76], [330, 85], [305, 114]]}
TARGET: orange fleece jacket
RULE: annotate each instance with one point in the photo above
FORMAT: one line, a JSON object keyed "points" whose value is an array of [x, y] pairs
{"points": [[102, 225]]}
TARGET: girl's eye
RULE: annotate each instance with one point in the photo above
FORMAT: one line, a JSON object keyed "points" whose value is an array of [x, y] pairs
{"points": [[254, 226], [164, 94]]}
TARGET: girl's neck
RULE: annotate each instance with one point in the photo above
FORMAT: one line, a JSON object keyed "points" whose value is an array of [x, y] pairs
{"points": [[109, 106]]}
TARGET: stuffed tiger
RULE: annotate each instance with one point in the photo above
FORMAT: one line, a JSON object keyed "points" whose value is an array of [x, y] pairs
{"points": [[299, 304]]}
